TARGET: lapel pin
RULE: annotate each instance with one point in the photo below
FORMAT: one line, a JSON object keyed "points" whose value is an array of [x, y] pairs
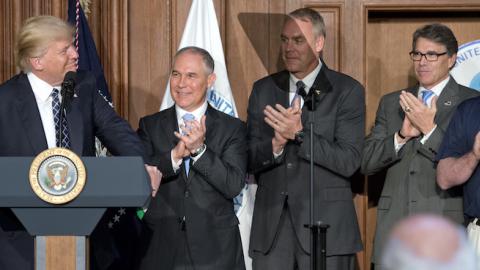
{"points": [[447, 103]]}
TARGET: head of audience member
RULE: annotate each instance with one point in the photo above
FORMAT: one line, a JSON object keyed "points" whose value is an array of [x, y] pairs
{"points": [[45, 47], [434, 52], [302, 40], [428, 242], [192, 75]]}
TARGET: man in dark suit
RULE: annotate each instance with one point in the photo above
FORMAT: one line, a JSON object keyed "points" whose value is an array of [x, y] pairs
{"points": [[202, 155], [45, 53], [408, 130], [279, 152]]}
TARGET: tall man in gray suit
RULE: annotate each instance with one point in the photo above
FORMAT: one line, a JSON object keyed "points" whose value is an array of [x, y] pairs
{"points": [[408, 130], [279, 152]]}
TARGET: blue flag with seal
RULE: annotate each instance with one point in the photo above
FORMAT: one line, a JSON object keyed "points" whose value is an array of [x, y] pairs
{"points": [[112, 243], [467, 66]]}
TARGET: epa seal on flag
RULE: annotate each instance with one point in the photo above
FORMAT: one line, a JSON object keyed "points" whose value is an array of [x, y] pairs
{"points": [[57, 175], [467, 67]]}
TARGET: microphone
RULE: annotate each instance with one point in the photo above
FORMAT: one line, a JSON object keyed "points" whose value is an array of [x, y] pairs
{"points": [[68, 89]]}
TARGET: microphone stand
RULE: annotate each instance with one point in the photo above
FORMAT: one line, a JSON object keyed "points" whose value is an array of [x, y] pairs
{"points": [[318, 230]]}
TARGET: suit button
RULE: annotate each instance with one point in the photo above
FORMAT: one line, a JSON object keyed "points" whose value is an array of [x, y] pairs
{"points": [[289, 165], [284, 193], [412, 172], [187, 194]]}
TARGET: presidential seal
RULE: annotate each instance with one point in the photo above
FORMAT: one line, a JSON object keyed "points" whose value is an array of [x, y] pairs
{"points": [[57, 175]]}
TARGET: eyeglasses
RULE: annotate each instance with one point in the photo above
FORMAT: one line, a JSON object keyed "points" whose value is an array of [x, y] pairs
{"points": [[429, 56]]}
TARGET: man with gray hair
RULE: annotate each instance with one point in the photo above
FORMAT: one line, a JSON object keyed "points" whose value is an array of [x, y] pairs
{"points": [[191, 223], [428, 242], [409, 127], [279, 111]]}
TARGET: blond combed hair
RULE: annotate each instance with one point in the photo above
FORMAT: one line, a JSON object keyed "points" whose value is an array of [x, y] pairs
{"points": [[35, 36]]}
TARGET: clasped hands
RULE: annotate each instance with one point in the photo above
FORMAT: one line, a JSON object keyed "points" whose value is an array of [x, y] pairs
{"points": [[191, 138], [419, 118], [285, 123]]}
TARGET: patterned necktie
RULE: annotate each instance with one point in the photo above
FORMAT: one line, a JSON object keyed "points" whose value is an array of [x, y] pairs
{"points": [[426, 94], [186, 160], [63, 128], [300, 93]]}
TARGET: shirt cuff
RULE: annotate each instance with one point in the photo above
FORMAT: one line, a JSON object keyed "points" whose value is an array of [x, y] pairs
{"points": [[426, 136], [397, 145], [276, 155], [175, 165]]}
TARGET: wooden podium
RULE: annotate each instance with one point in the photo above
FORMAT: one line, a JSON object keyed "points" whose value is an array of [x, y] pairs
{"points": [[61, 230]]}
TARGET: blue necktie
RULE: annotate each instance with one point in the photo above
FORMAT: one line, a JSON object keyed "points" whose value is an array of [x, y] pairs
{"points": [[186, 160], [63, 127], [300, 93], [426, 94]]}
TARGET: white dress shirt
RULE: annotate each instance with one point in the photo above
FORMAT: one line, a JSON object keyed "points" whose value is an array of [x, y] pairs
{"points": [[43, 96], [308, 81]]}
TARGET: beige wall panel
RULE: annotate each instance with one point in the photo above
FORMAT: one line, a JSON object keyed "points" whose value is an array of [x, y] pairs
{"points": [[150, 40]]}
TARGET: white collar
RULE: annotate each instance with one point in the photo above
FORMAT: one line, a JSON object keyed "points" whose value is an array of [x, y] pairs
{"points": [[198, 113], [41, 89], [437, 89], [308, 80]]}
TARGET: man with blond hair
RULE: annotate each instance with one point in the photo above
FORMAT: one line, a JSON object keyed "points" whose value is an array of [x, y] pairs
{"points": [[28, 102]]}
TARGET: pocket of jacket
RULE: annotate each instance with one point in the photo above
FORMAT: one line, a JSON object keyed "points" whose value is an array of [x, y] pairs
{"points": [[384, 203]]}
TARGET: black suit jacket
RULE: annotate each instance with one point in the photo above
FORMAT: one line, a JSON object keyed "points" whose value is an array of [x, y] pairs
{"points": [[22, 134], [338, 136], [205, 197]]}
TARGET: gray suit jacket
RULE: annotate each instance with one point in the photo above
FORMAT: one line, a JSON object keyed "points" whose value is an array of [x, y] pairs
{"points": [[410, 185], [338, 135]]}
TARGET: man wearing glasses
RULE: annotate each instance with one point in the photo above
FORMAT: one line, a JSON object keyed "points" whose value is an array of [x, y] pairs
{"points": [[408, 130]]}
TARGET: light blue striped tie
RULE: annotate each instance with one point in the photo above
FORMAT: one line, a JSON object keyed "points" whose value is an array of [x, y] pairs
{"points": [[186, 160], [426, 94]]}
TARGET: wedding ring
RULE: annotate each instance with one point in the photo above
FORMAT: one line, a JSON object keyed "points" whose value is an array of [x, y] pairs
{"points": [[407, 109]]}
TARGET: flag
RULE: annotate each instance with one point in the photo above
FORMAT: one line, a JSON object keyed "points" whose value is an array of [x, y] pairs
{"points": [[112, 243], [467, 66], [201, 30], [87, 51]]}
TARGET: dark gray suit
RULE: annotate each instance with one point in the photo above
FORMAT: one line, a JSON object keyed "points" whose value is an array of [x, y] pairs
{"points": [[410, 185], [338, 135], [205, 197]]}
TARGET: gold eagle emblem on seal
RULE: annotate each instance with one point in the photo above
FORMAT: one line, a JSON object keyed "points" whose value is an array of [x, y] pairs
{"points": [[57, 175]]}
